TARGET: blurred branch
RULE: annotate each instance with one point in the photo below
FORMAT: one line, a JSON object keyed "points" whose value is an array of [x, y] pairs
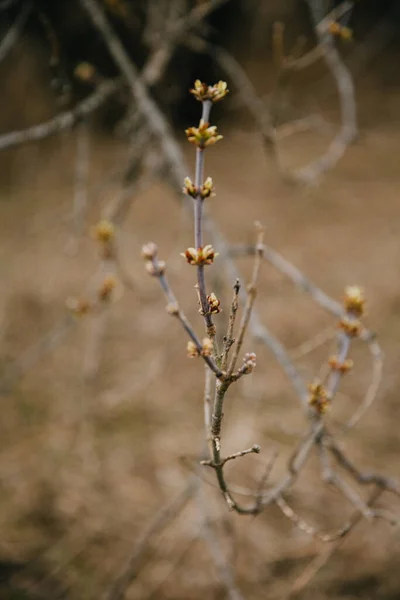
{"points": [[167, 513], [345, 86], [82, 163], [12, 35], [63, 120], [321, 559]]}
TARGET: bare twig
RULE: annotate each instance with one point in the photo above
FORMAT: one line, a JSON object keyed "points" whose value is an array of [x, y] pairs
{"points": [[223, 569], [82, 162], [228, 339], [12, 35], [157, 269], [251, 296], [63, 120], [168, 513], [348, 130]]}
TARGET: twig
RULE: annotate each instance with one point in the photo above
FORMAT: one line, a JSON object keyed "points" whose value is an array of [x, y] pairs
{"points": [[198, 225], [250, 298], [348, 130], [321, 559], [293, 273], [253, 450], [248, 95], [80, 188], [157, 269], [15, 30], [222, 568], [312, 344], [229, 339], [333, 307], [168, 513], [207, 401], [380, 481], [63, 120]]}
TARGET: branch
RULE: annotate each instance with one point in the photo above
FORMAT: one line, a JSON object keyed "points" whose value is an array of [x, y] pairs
{"points": [[65, 119], [168, 513], [159, 127], [15, 30]]}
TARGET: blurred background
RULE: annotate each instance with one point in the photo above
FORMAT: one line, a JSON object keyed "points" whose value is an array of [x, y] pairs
{"points": [[102, 415]]}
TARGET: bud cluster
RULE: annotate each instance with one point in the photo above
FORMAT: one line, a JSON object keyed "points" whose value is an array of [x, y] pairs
{"points": [[342, 367], [318, 398], [354, 300], [201, 256], [214, 305], [104, 233], [206, 348], [154, 267], [201, 91], [250, 361], [79, 307], [204, 135], [106, 288], [206, 190], [345, 33]]}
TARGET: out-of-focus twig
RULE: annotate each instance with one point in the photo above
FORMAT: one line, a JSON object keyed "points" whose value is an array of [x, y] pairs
{"points": [[167, 513], [63, 120], [345, 86], [12, 35], [82, 163]]}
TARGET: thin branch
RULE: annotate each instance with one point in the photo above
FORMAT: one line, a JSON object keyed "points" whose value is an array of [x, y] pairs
{"points": [[174, 310], [385, 483], [229, 339], [321, 559], [312, 344], [221, 565], [15, 30], [333, 307], [198, 225], [250, 299], [63, 120], [253, 450], [82, 163], [348, 130], [168, 513]]}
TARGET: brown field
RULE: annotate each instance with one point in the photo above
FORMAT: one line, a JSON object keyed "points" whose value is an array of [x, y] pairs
{"points": [[102, 431]]}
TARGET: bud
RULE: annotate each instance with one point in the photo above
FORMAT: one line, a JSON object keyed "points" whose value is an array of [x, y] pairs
{"points": [[352, 327], [250, 361], [354, 300], [342, 367], [204, 135], [103, 231], [201, 91], [192, 350], [106, 288], [214, 304], [207, 347], [172, 309], [318, 398], [149, 250], [189, 188], [85, 72], [201, 256], [79, 307], [156, 268], [207, 189]]}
